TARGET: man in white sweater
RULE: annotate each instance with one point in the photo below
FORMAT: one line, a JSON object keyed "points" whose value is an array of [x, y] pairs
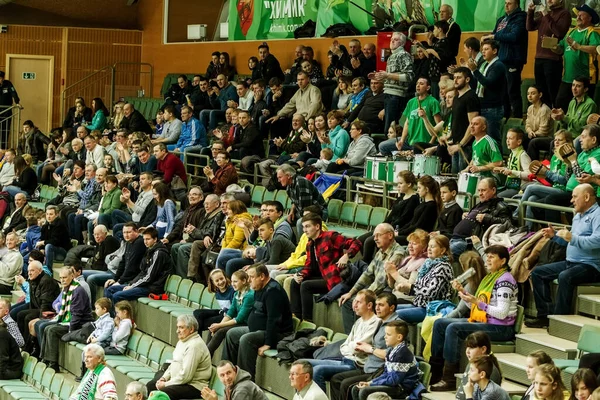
{"points": [[362, 332], [7, 173], [10, 264], [95, 152], [301, 374]]}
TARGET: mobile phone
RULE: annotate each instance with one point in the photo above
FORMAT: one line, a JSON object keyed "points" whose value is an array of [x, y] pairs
{"points": [[469, 240]]}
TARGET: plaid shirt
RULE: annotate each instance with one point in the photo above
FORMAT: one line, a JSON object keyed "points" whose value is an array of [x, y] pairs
{"points": [[328, 248], [375, 278], [87, 193], [303, 193]]}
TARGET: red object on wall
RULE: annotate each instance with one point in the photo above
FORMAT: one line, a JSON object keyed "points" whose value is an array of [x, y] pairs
{"points": [[383, 48]]}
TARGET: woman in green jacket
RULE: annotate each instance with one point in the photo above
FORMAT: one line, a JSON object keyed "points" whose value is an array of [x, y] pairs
{"points": [[110, 201], [100, 115]]}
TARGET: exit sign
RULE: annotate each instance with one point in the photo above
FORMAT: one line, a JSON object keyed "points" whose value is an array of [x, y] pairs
{"points": [[28, 76]]}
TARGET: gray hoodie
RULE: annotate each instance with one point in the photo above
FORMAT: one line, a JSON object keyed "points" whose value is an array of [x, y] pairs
{"points": [[244, 389], [359, 150]]}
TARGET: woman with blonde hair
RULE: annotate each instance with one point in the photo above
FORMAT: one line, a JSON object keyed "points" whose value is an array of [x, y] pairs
{"points": [[432, 283], [234, 240]]}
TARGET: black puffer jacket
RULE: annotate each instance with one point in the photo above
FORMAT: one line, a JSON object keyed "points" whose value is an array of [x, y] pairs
{"points": [[496, 212], [43, 290], [155, 269]]}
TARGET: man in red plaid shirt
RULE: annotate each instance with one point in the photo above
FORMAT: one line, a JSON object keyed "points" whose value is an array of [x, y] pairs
{"points": [[327, 253]]}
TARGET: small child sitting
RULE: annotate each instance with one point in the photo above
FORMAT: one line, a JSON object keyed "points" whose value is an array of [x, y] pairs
{"points": [[401, 372], [325, 159], [104, 327], [124, 324], [480, 387], [109, 164]]}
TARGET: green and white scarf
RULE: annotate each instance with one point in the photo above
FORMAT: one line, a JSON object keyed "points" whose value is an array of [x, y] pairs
{"points": [[89, 383], [514, 164], [64, 314]]}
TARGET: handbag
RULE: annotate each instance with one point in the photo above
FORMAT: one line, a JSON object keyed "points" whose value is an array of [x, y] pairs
{"points": [[177, 183], [210, 258]]}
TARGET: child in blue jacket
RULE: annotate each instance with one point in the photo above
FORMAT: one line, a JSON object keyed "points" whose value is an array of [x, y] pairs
{"points": [[401, 372]]}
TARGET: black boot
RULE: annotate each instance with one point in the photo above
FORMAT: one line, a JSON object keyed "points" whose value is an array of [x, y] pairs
{"points": [[35, 349], [53, 365], [448, 382], [437, 366], [80, 377]]}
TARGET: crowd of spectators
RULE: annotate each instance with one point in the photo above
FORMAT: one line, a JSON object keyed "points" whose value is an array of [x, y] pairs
{"points": [[128, 213]]}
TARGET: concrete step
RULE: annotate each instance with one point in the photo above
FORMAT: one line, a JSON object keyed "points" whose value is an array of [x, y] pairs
{"points": [[512, 366], [511, 388], [568, 327], [554, 346], [589, 304]]}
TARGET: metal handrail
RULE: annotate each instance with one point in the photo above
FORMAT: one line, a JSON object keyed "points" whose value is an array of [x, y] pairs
{"points": [[113, 71], [62, 94], [9, 116], [523, 206]]}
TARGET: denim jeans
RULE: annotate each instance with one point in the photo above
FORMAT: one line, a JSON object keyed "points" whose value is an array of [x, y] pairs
{"points": [[14, 310], [494, 118], [411, 314], [96, 279], [77, 223], [180, 253], [569, 274], [116, 293], [393, 106], [449, 333], [13, 191], [39, 329], [387, 146], [323, 370], [226, 255], [54, 253], [235, 264], [457, 247], [210, 118], [458, 161]]}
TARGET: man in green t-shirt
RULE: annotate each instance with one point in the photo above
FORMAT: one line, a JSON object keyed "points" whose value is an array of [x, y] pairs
{"points": [[582, 169], [486, 154], [578, 48], [414, 128], [579, 110]]}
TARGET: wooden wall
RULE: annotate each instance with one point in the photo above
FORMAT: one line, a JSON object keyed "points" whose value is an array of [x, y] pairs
{"points": [[77, 53], [194, 57]]}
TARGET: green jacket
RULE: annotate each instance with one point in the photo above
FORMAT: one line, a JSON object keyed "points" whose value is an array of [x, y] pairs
{"points": [[577, 115], [111, 201], [582, 160]]}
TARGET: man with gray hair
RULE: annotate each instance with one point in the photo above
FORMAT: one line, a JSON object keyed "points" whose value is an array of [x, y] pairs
{"points": [[191, 368], [375, 276], [136, 391], [98, 381], [93, 257], [582, 263], [301, 379], [301, 192], [397, 78], [238, 384], [209, 230], [11, 264]]}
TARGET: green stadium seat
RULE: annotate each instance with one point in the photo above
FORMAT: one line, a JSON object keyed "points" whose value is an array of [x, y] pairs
{"points": [[306, 325], [141, 352], [378, 216], [338, 336], [589, 337], [183, 293], [55, 386], [216, 384], [426, 370], [66, 390], [295, 322], [269, 195], [207, 299], [282, 197], [36, 377], [363, 215], [170, 288], [258, 192], [348, 212], [334, 210]]}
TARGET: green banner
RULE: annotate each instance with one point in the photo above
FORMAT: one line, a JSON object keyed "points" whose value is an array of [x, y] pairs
{"points": [[268, 19], [277, 19]]}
